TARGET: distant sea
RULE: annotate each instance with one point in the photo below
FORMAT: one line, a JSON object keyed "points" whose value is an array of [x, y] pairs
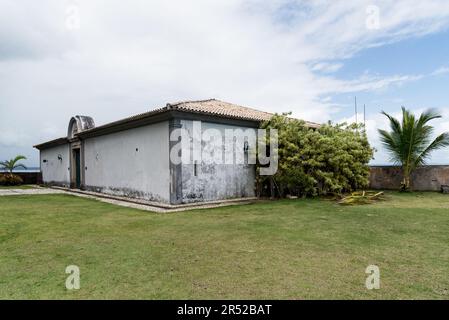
{"points": [[29, 169]]}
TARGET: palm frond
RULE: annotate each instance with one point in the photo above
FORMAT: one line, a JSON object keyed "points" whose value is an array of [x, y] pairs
{"points": [[441, 141], [12, 164], [18, 158], [428, 115], [394, 123], [391, 143], [409, 141]]}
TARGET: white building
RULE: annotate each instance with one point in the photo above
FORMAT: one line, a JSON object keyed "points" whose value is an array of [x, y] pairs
{"points": [[131, 157]]}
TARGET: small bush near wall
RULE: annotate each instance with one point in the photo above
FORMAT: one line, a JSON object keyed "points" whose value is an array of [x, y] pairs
{"points": [[330, 160], [10, 179]]}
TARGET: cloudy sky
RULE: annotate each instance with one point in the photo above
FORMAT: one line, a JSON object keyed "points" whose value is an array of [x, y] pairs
{"points": [[111, 59]]}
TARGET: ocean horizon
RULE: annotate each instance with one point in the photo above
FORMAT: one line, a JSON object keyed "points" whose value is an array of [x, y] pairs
{"points": [[29, 169]]}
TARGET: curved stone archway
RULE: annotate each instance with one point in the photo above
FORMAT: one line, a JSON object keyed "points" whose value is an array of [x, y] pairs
{"points": [[78, 124]]}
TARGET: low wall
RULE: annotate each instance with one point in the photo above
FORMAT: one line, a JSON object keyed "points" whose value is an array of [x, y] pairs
{"points": [[29, 177], [428, 178]]}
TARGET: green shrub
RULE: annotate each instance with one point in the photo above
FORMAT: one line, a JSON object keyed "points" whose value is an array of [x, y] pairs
{"points": [[9, 179], [329, 160]]}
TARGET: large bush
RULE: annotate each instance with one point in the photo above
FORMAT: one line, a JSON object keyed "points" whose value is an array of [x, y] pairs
{"points": [[332, 159], [9, 179]]}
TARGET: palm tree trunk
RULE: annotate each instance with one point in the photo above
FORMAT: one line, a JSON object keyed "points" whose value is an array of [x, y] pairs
{"points": [[406, 179]]}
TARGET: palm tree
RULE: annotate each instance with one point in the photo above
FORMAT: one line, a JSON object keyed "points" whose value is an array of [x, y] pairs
{"points": [[409, 141], [13, 164]]}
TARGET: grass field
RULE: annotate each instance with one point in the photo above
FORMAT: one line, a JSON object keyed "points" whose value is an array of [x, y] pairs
{"points": [[298, 249], [22, 187]]}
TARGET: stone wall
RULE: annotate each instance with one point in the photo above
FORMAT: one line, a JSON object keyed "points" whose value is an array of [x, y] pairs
{"points": [[28, 177], [428, 178]]}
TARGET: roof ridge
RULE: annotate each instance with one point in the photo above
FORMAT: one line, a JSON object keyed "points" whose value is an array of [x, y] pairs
{"points": [[250, 108], [174, 104], [218, 109], [169, 105]]}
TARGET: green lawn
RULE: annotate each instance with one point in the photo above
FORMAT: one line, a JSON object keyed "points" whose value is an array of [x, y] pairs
{"points": [[23, 186], [297, 249]]}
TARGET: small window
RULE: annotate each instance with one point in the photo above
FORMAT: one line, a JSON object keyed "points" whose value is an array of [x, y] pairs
{"points": [[246, 146], [195, 169]]}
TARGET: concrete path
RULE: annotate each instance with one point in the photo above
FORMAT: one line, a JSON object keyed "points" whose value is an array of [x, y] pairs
{"points": [[20, 192], [154, 206], [125, 202]]}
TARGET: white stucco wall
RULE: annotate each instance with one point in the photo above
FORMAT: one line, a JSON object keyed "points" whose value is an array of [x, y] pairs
{"points": [[115, 167], [217, 181], [56, 171]]}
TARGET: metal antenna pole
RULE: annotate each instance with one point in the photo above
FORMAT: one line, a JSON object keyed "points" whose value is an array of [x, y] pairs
{"points": [[364, 116]]}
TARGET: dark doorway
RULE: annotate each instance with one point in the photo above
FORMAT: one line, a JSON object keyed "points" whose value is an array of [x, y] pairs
{"points": [[77, 168]]}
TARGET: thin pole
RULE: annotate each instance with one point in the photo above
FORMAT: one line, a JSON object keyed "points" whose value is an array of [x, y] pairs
{"points": [[364, 117]]}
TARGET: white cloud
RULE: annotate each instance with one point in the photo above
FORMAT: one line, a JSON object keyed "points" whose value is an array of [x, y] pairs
{"points": [[327, 67], [128, 57], [440, 71]]}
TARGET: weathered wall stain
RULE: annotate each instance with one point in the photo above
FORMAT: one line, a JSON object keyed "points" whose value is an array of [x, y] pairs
{"points": [[428, 178], [216, 181], [57, 184], [126, 192]]}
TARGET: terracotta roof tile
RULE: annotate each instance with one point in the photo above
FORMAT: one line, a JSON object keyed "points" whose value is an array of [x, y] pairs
{"points": [[211, 107], [221, 108], [225, 109]]}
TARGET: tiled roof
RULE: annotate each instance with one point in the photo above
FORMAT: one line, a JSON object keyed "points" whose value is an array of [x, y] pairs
{"points": [[52, 143], [225, 109], [211, 107], [221, 108]]}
